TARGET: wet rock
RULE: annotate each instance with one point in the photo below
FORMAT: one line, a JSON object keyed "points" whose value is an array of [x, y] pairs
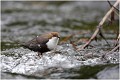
{"points": [[109, 73], [50, 64]]}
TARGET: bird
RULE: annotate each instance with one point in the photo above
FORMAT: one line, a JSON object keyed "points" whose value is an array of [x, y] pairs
{"points": [[43, 43]]}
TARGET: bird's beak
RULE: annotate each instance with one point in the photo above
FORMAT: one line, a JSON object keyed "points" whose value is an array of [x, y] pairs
{"points": [[58, 36]]}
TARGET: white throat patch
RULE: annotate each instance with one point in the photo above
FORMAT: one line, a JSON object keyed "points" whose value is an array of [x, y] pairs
{"points": [[52, 43]]}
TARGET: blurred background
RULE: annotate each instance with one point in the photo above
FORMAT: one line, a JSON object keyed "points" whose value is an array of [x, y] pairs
{"points": [[23, 20]]}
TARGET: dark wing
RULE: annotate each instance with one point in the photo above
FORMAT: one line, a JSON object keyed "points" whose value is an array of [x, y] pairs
{"points": [[34, 43], [42, 40]]}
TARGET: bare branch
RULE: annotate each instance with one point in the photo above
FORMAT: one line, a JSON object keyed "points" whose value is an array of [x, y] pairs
{"points": [[74, 46], [113, 6], [100, 25]]}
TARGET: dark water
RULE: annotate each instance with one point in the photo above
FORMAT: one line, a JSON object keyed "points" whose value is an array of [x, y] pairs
{"points": [[21, 21]]}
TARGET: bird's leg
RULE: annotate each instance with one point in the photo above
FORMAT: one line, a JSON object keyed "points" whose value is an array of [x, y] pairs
{"points": [[40, 54], [55, 51]]}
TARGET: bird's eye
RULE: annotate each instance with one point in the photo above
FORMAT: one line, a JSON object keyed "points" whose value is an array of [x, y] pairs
{"points": [[55, 35]]}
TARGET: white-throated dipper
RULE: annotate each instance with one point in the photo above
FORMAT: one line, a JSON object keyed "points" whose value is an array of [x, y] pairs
{"points": [[43, 43]]}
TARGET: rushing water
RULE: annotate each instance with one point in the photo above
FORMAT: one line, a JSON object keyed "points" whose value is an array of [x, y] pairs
{"points": [[21, 21]]}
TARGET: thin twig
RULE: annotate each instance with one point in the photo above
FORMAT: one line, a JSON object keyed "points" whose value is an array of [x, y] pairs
{"points": [[100, 25], [113, 6], [110, 52], [67, 38], [114, 49], [115, 9], [100, 33], [74, 46], [117, 41]]}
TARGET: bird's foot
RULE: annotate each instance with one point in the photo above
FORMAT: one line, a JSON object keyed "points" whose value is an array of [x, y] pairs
{"points": [[40, 54]]}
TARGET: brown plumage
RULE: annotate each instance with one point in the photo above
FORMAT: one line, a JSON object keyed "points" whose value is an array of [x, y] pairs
{"points": [[43, 43]]}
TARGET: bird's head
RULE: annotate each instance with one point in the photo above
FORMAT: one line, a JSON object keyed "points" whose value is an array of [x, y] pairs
{"points": [[51, 34], [55, 34], [53, 40]]}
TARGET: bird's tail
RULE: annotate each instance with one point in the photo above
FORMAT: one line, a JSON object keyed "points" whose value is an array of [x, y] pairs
{"points": [[20, 44]]}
